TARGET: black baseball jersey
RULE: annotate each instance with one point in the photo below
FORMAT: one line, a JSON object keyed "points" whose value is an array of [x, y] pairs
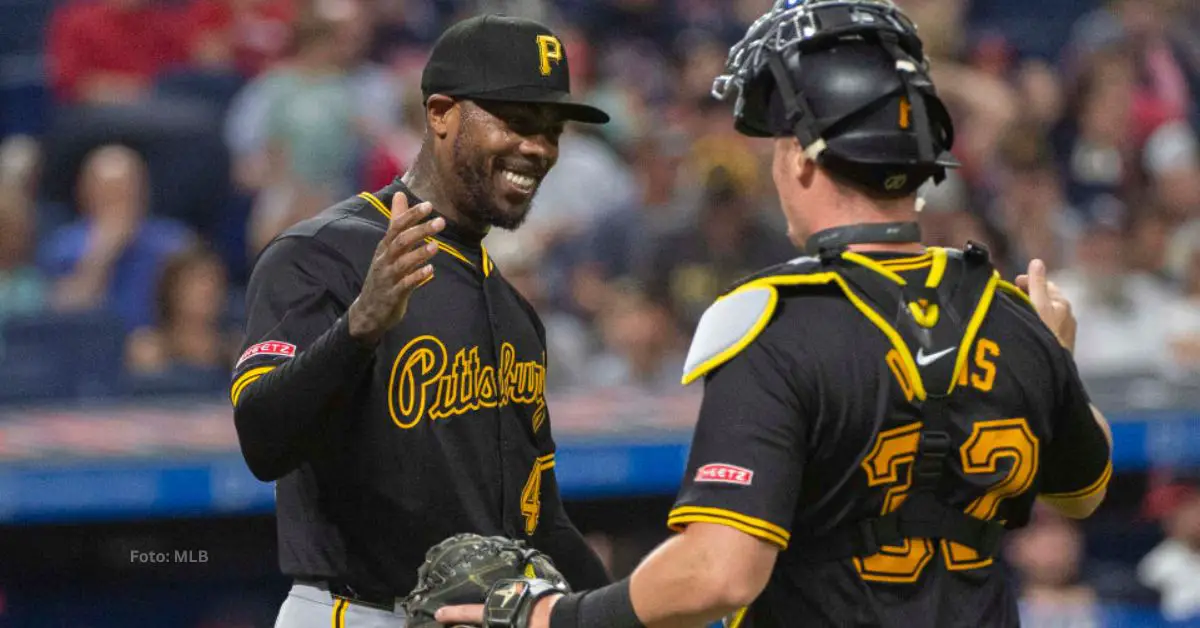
{"points": [[441, 428], [809, 424]]}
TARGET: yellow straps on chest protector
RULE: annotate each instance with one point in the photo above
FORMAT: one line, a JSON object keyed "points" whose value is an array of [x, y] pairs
{"points": [[735, 320]]}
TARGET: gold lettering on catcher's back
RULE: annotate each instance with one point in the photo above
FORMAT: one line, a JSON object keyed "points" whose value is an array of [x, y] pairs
{"points": [[425, 382], [1003, 450], [549, 49], [980, 373]]}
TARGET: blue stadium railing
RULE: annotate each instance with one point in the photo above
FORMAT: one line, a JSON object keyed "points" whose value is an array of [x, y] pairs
{"points": [[634, 463]]}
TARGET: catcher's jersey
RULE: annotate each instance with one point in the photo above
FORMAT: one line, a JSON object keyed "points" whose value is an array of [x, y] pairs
{"points": [[448, 432], [810, 426]]}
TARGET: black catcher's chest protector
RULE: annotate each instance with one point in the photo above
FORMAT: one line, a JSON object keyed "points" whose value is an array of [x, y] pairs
{"points": [[923, 322]]}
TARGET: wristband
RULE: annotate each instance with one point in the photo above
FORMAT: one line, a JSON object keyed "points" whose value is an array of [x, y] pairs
{"points": [[609, 607]]}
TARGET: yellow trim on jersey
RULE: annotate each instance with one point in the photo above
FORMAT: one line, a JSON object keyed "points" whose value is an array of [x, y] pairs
{"points": [[1095, 487], [487, 264], [442, 246], [244, 380], [722, 512], [738, 618], [764, 317], [374, 200], [939, 267], [1013, 291], [450, 250], [906, 267], [924, 258], [863, 260], [758, 528], [981, 309]]}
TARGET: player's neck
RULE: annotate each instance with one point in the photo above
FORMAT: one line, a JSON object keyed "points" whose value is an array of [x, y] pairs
{"points": [[847, 210], [426, 184]]}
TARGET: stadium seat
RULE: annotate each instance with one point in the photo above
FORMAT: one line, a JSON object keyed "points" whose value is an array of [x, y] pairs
{"points": [[24, 94], [60, 356]]}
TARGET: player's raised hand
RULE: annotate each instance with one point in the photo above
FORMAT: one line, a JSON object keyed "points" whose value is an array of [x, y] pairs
{"points": [[1053, 308], [400, 265]]}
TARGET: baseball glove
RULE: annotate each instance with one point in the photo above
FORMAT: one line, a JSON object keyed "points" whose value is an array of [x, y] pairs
{"points": [[463, 568]]}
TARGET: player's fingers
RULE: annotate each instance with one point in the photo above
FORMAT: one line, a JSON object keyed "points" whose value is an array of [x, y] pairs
{"points": [[464, 614], [399, 204], [406, 219], [412, 237], [414, 279], [410, 262], [1022, 282], [1038, 291]]}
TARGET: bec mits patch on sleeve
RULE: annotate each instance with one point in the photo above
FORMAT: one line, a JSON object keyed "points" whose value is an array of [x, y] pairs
{"points": [[270, 347]]}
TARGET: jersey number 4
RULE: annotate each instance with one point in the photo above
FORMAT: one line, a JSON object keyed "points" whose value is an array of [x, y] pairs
{"points": [[531, 494], [890, 464]]}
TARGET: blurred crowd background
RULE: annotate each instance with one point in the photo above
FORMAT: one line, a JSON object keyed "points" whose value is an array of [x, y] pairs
{"points": [[150, 149]]}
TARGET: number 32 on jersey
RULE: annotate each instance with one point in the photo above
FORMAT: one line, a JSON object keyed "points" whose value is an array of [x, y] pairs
{"points": [[890, 464]]}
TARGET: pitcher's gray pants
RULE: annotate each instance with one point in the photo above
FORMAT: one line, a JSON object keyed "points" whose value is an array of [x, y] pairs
{"points": [[310, 605]]}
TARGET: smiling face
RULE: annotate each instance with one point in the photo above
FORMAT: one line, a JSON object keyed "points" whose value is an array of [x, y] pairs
{"points": [[498, 158]]}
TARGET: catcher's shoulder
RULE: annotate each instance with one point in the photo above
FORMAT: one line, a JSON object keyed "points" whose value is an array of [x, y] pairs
{"points": [[738, 317]]}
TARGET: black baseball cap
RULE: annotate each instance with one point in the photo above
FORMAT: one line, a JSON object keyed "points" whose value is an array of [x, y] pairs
{"points": [[497, 57]]}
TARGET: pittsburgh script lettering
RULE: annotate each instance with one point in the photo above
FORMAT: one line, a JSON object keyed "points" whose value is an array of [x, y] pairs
{"points": [[427, 382]]}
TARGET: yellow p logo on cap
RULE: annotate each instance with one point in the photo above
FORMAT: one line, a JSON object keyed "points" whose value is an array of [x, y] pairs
{"points": [[549, 49]]}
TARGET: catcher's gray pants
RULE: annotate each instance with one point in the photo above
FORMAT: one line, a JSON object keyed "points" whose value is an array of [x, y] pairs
{"points": [[310, 605]]}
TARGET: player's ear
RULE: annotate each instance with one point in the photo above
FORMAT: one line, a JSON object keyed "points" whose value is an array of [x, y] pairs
{"points": [[441, 114], [795, 165], [806, 169]]}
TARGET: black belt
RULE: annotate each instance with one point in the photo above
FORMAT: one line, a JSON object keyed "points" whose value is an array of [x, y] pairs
{"points": [[373, 599]]}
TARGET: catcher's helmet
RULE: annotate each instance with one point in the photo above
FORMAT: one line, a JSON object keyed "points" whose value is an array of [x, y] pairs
{"points": [[850, 80]]}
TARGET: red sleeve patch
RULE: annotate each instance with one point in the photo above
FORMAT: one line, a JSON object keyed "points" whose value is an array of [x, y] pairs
{"points": [[724, 473], [270, 347]]}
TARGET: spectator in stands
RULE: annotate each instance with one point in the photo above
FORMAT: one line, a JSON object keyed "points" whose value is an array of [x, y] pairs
{"points": [[187, 336], [1173, 567], [1030, 207], [643, 348], [109, 51], [1182, 320], [248, 35], [1163, 88], [299, 132], [569, 342], [1047, 555], [617, 243], [111, 256], [295, 133], [1096, 142], [1123, 332], [22, 286], [729, 239], [1171, 160], [395, 151]]}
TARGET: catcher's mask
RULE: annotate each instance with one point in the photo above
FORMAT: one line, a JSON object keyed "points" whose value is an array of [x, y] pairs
{"points": [[850, 80]]}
